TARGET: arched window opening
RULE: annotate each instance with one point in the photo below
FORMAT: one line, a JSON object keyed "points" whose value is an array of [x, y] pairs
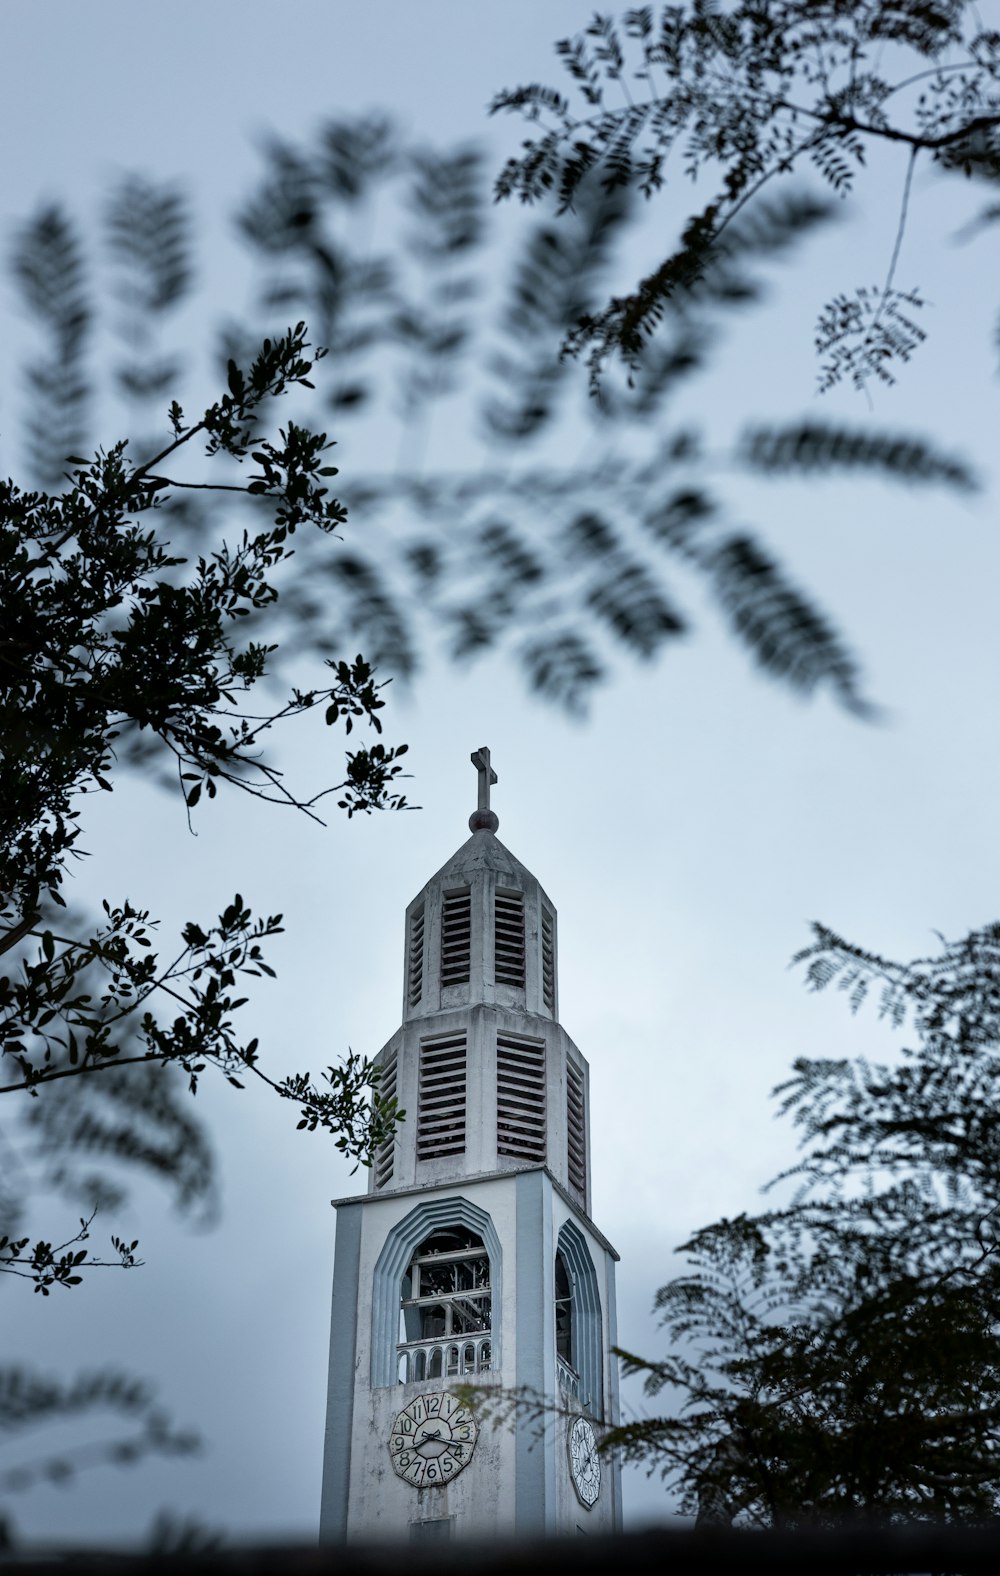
{"points": [[569, 1379], [389, 1359], [579, 1325], [446, 1308]]}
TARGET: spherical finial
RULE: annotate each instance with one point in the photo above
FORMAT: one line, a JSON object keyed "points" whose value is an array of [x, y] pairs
{"points": [[483, 821], [482, 818]]}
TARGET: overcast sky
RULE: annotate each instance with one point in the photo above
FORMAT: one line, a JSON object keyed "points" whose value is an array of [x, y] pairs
{"points": [[687, 831]]}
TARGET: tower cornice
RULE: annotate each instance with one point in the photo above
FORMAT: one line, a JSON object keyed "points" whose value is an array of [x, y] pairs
{"points": [[476, 1181]]}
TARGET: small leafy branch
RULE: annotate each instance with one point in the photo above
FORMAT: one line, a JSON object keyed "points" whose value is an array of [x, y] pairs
{"points": [[101, 638], [744, 96], [49, 1266], [55, 1025], [108, 635], [863, 335], [526, 1408]]}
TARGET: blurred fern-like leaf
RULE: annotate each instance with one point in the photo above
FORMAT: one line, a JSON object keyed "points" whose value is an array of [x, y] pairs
{"points": [[447, 200], [92, 1136], [298, 221], [482, 548], [30, 1398], [553, 284], [148, 237], [782, 628], [148, 234], [562, 667], [809, 447], [47, 263]]}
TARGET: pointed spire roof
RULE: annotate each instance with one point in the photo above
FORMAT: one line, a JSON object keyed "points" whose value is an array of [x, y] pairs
{"points": [[483, 851]]}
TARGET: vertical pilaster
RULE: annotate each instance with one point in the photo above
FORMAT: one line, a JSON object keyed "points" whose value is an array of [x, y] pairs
{"points": [[534, 1470], [614, 1465], [340, 1392]]}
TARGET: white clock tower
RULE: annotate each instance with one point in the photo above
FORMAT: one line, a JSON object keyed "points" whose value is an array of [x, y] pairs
{"points": [[472, 1260]]}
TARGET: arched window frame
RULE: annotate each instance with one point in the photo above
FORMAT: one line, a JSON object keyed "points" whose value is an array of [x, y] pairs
{"points": [[394, 1260], [586, 1322], [564, 1317], [446, 1323]]}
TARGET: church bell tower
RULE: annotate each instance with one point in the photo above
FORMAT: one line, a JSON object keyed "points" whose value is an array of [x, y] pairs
{"points": [[472, 1261]]}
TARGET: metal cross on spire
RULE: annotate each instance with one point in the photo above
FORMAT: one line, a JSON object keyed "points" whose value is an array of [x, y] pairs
{"points": [[483, 818]]}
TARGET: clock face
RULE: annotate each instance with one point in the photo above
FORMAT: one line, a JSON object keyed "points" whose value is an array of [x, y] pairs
{"points": [[584, 1461], [432, 1439]]}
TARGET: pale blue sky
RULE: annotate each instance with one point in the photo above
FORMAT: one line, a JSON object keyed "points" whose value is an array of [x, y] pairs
{"points": [[687, 832]]}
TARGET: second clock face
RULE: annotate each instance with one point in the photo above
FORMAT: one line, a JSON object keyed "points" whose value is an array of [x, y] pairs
{"points": [[584, 1461], [432, 1439]]}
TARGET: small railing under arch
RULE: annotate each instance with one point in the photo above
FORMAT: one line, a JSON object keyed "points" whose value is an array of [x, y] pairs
{"points": [[444, 1359], [569, 1379]]}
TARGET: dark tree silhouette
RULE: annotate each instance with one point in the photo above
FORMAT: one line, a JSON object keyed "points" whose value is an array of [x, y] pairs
{"points": [[840, 1355], [106, 631]]}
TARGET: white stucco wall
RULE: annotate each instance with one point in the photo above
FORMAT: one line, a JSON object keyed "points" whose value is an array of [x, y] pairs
{"points": [[514, 1483]]}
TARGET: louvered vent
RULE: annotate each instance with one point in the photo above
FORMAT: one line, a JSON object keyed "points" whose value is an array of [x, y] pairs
{"points": [[415, 960], [576, 1130], [385, 1153], [441, 1097], [548, 961], [520, 1097], [509, 934], [456, 937]]}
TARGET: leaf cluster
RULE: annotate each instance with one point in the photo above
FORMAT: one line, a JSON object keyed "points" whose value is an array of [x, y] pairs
{"points": [[47, 1265], [741, 96]]}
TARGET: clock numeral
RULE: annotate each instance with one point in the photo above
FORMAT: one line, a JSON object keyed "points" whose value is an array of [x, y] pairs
{"points": [[417, 1410], [405, 1423], [433, 1405], [415, 1473]]}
